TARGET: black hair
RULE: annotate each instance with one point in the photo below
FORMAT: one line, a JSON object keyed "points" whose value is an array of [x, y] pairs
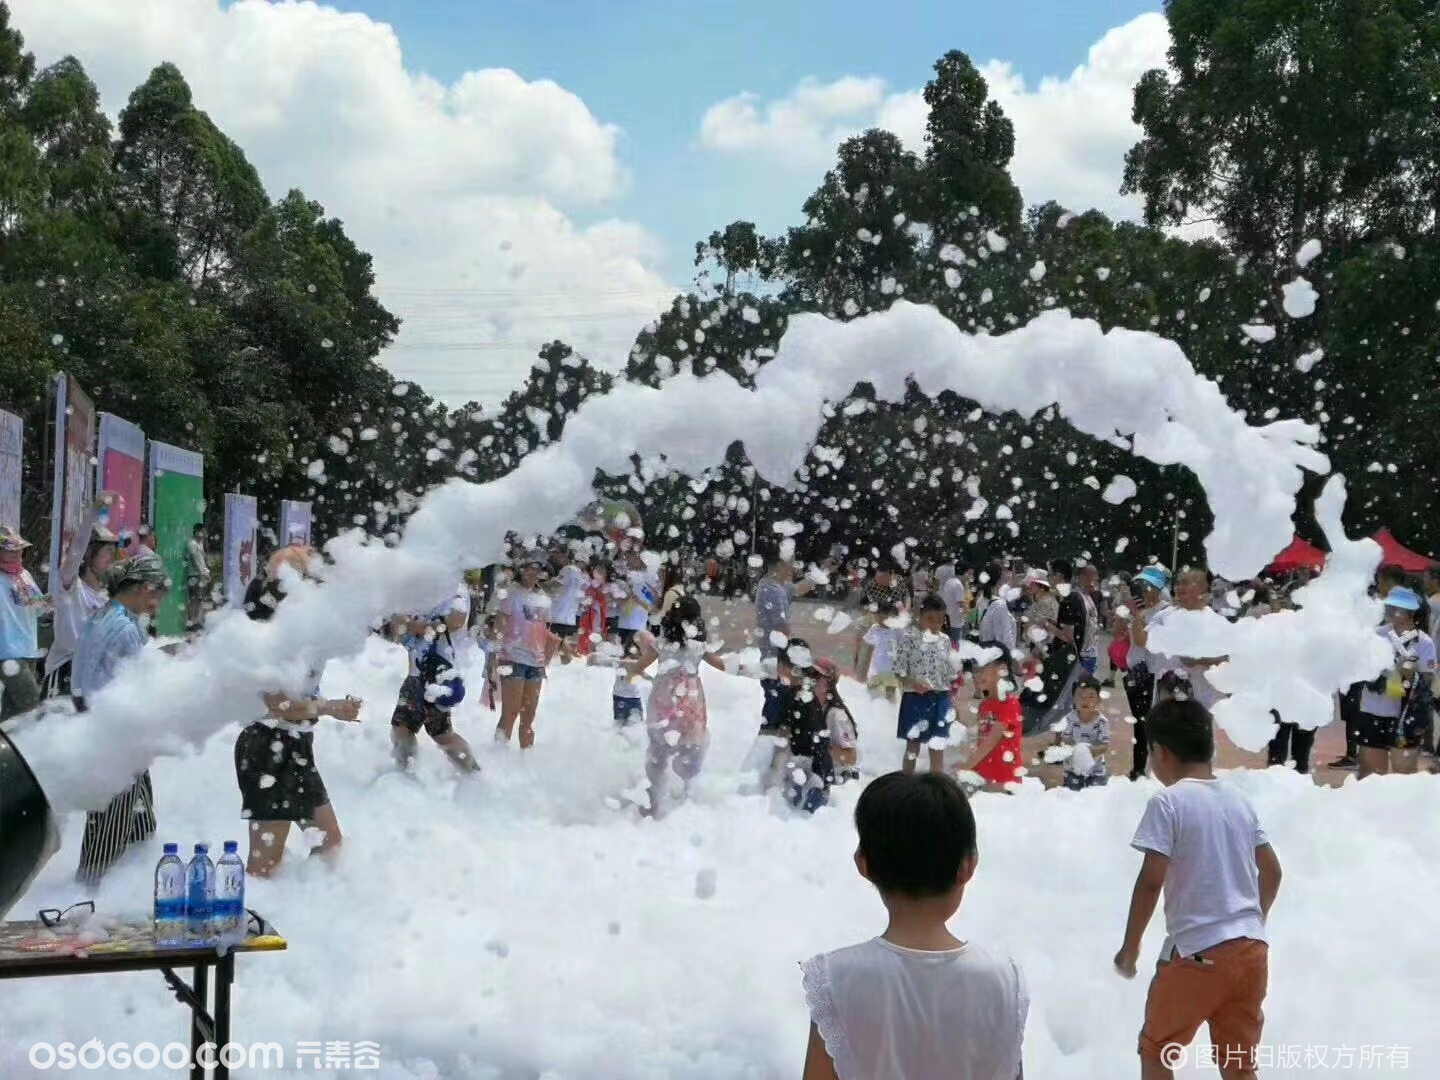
{"points": [[793, 645], [1086, 682], [262, 597], [1004, 656], [198, 529], [684, 622], [932, 602], [990, 587], [916, 833], [1182, 726], [1064, 569]]}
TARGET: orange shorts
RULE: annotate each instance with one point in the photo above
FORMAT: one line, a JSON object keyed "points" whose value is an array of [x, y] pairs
{"points": [[1223, 986]]}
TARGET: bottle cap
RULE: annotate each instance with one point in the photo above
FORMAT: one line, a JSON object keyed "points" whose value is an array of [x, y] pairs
{"points": [[202, 849], [172, 849], [232, 846]]}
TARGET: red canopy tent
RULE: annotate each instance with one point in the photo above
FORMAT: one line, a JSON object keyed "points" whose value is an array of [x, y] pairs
{"points": [[1300, 555], [1397, 554]]}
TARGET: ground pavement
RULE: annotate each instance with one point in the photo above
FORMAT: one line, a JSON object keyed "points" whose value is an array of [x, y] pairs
{"points": [[733, 621]]}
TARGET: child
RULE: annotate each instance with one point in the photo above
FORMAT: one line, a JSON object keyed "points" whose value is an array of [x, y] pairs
{"points": [[1205, 849], [678, 725], [915, 1003], [809, 769], [838, 719], [999, 749], [626, 698], [877, 652], [1086, 727], [925, 666], [487, 637]]}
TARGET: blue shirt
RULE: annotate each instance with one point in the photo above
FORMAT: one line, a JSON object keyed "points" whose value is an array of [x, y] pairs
{"points": [[112, 636], [19, 616]]}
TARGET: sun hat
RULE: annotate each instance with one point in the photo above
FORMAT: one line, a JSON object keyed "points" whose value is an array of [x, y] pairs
{"points": [[99, 534], [1402, 599], [11, 540], [1157, 578], [826, 668], [143, 568], [1037, 577]]}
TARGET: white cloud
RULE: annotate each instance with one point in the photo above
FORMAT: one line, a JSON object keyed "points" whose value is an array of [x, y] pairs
{"points": [[1071, 133], [462, 192]]}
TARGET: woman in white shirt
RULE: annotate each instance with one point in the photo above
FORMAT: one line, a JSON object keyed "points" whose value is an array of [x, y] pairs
{"points": [[997, 622], [82, 593], [1395, 708]]}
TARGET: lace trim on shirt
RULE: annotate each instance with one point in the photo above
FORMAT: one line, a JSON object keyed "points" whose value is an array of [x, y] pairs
{"points": [[820, 998]]}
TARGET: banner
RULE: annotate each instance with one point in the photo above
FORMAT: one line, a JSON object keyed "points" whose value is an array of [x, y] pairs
{"points": [[74, 490], [12, 456], [121, 453], [177, 505], [242, 517], [296, 519]]}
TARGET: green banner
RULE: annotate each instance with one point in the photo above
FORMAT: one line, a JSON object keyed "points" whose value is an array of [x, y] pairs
{"points": [[177, 505]]}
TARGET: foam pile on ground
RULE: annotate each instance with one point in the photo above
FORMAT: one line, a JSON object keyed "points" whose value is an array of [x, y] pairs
{"points": [[516, 928]]}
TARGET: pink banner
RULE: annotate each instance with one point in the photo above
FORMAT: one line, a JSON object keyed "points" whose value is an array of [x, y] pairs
{"points": [[125, 476]]}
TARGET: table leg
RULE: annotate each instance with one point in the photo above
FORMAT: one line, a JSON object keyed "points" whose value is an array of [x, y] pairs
{"points": [[201, 987], [224, 977]]}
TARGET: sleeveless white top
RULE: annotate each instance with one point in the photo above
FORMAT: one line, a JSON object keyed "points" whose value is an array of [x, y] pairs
{"points": [[885, 1011]]}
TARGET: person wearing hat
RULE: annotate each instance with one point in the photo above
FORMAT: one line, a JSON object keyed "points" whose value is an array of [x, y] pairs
{"points": [[1144, 668], [82, 589], [21, 602], [113, 637], [526, 648], [1395, 708]]}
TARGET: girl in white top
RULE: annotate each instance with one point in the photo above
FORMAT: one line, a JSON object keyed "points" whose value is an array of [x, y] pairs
{"points": [[915, 1003], [997, 623], [82, 593]]}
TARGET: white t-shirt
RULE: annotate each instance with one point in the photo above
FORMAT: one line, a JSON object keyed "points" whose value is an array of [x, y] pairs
{"points": [[1415, 647], [74, 607], [1097, 734], [882, 640], [899, 1014], [633, 616], [565, 610], [1209, 832], [953, 593], [998, 624], [625, 686]]}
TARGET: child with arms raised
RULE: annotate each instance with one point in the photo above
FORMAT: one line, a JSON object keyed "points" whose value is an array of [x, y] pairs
{"points": [[1206, 851], [915, 1003]]}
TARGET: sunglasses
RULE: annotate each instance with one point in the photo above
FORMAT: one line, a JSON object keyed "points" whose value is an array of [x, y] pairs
{"points": [[52, 917]]}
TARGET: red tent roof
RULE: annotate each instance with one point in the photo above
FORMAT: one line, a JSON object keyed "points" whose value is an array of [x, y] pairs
{"points": [[1299, 555], [1397, 554]]}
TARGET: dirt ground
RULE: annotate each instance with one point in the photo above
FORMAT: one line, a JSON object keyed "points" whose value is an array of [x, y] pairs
{"points": [[734, 622]]}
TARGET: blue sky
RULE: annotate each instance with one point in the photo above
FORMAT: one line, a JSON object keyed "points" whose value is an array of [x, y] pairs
{"points": [[653, 67], [503, 213]]}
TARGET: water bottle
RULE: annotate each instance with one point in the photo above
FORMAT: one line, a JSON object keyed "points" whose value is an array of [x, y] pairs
{"points": [[200, 897], [229, 911], [170, 898]]}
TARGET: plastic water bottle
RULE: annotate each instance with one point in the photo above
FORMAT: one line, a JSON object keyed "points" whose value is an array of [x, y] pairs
{"points": [[170, 898], [229, 911], [200, 897]]}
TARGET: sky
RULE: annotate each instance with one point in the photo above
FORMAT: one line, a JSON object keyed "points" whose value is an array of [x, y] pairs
{"points": [[526, 170]]}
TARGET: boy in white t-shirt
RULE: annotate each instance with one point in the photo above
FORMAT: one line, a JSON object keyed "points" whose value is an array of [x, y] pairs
{"points": [[915, 1003], [1205, 849]]}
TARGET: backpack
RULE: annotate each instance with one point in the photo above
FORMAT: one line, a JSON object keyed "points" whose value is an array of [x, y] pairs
{"points": [[439, 671]]}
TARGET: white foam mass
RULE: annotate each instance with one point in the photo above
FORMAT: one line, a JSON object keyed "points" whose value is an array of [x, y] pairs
{"points": [[1122, 384]]}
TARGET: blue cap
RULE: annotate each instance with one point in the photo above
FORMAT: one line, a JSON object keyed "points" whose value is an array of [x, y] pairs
{"points": [[172, 849], [1155, 577], [201, 849], [232, 846], [1402, 598]]}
